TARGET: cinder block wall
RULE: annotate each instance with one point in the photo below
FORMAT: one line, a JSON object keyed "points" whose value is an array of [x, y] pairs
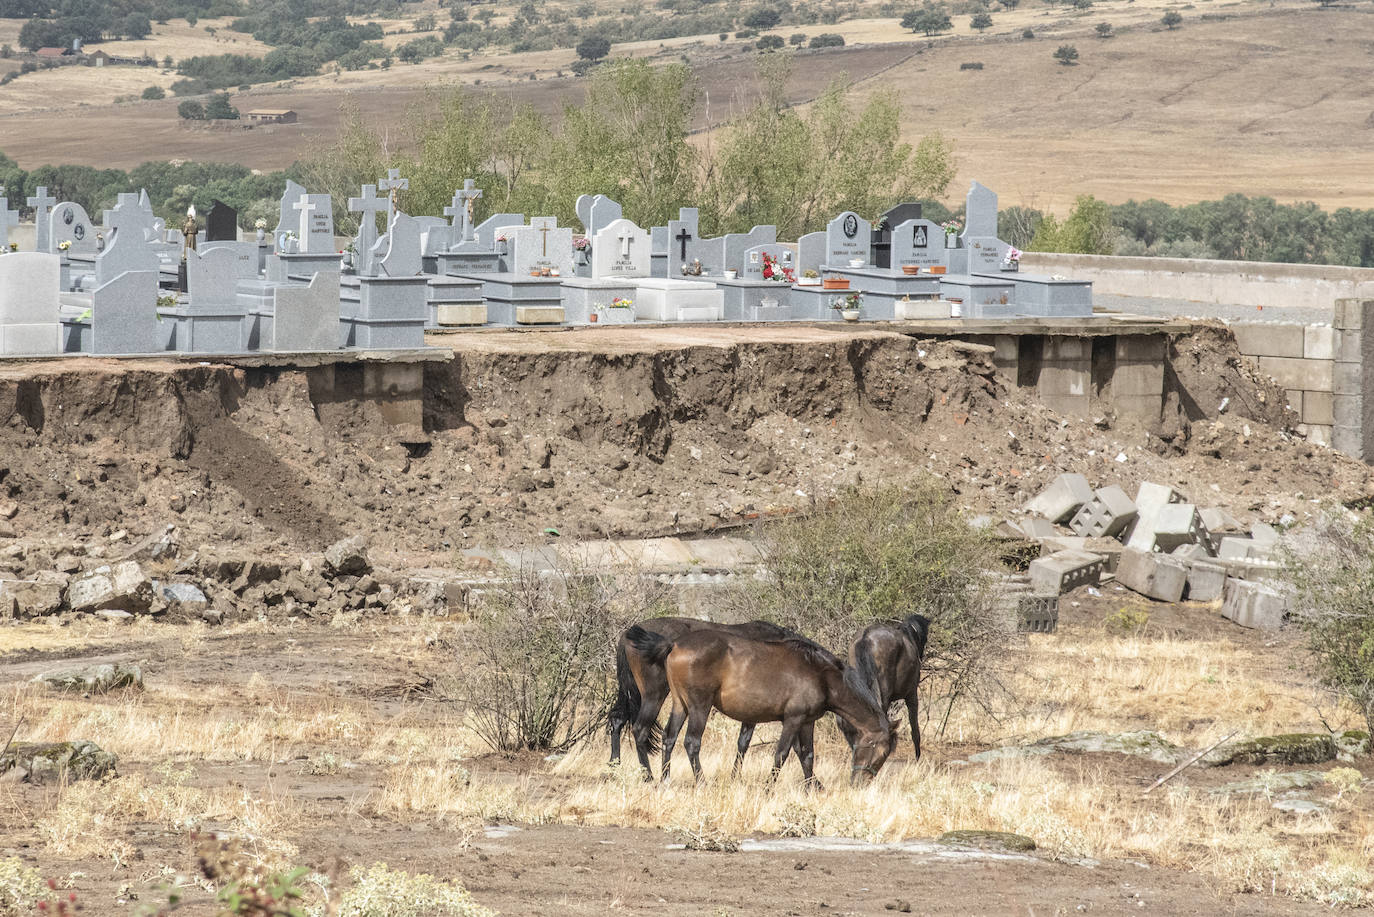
{"points": [[1301, 358]]}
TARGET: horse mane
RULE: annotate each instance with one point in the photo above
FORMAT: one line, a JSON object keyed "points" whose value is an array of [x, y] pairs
{"points": [[862, 676], [918, 628], [776, 633]]}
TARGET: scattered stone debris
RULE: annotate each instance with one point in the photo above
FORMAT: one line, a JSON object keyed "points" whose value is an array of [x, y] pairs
{"points": [[348, 557], [123, 585], [1143, 744], [1273, 784], [988, 840], [44, 761], [97, 679], [1294, 748]]}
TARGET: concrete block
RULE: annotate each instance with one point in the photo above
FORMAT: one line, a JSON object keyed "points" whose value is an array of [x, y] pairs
{"points": [[1346, 379], [1157, 576], [1308, 375], [1140, 348], [1206, 580], [1319, 342], [1063, 571], [1109, 549], [1318, 407], [1149, 499], [1178, 524], [1254, 604], [539, 315], [1062, 498], [1294, 398], [1107, 514], [1268, 339], [1320, 434], [1062, 543], [1264, 533], [1190, 552], [462, 313], [1347, 410], [1037, 527], [1219, 523], [1348, 346], [1234, 547], [1350, 313]]}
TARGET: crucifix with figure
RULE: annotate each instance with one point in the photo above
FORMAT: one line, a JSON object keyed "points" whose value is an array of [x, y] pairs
{"points": [[463, 200], [369, 205], [391, 184]]}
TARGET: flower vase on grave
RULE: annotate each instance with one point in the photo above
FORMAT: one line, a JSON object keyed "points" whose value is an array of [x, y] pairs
{"points": [[951, 240], [261, 235]]}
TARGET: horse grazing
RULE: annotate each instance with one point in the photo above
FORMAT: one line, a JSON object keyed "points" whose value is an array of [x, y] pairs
{"points": [[887, 656], [790, 681], [643, 684]]}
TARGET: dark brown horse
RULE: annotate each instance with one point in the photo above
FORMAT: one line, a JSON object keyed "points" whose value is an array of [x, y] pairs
{"points": [[757, 681], [887, 656], [643, 685]]}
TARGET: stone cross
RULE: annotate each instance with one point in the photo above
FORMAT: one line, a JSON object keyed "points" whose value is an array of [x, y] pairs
{"points": [[625, 238], [9, 218], [42, 204], [391, 184], [305, 206], [683, 238], [369, 205], [462, 207]]}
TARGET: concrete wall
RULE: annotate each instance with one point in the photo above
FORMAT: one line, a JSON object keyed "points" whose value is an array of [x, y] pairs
{"points": [[1302, 359], [1250, 283]]}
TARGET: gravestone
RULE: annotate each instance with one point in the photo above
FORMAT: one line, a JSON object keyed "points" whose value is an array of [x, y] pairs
{"points": [[124, 314], [289, 220], [847, 238], [221, 223], [391, 184], [213, 321], [315, 224], [368, 205], [542, 245], [435, 235], [882, 233], [492, 226], [620, 249], [306, 318], [752, 261], [131, 219], [918, 242], [985, 252], [461, 211], [735, 244], [42, 203], [401, 258], [127, 251], [601, 212], [29, 324], [658, 251], [8, 218], [71, 224], [682, 235], [811, 252]]}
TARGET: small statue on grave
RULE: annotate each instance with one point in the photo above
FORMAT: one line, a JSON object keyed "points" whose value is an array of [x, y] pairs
{"points": [[692, 270], [189, 230]]}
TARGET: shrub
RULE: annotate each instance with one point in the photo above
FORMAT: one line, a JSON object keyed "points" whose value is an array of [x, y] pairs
{"points": [[747, 33], [537, 661], [883, 554], [1331, 570], [219, 109], [1028, 33], [153, 93], [20, 887], [763, 18], [1171, 19], [6, 52], [191, 110], [980, 22], [827, 40], [796, 39], [379, 891], [1104, 30], [1066, 55], [593, 47], [930, 21], [770, 43]]}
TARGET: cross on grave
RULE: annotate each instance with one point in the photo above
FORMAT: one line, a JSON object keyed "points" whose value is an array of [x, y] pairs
{"points": [[8, 218], [42, 204], [625, 239], [463, 200], [544, 230], [369, 205], [305, 206], [683, 238], [391, 184]]}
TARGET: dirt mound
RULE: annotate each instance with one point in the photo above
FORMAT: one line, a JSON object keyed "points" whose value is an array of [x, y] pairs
{"points": [[608, 442]]}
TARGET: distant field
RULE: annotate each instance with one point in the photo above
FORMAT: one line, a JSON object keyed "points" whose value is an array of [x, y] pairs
{"points": [[1272, 101]]}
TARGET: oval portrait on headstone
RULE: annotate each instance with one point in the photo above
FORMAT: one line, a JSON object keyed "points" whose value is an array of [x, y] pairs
{"points": [[78, 231], [68, 215], [850, 226]]}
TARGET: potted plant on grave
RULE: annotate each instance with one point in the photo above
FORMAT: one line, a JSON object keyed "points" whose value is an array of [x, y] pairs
{"points": [[621, 311], [582, 250], [809, 278], [848, 305], [1012, 261], [260, 227], [835, 283], [64, 246], [951, 228]]}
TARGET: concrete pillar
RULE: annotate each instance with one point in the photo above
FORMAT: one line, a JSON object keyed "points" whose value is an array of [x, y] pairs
{"points": [[397, 389], [1138, 378], [1006, 356], [1352, 410], [1065, 376]]}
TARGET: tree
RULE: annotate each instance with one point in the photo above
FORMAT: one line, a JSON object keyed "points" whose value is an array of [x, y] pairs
{"points": [[593, 47], [1028, 33], [827, 40], [763, 18], [191, 110], [796, 39], [6, 52], [1171, 19], [771, 43], [1104, 30], [1010, 4], [1087, 231], [930, 21], [1082, 4], [137, 27], [153, 93], [219, 109], [980, 21], [1066, 55]]}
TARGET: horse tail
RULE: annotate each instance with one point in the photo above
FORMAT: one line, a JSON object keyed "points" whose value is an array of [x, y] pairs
{"points": [[919, 625], [627, 698], [653, 647]]}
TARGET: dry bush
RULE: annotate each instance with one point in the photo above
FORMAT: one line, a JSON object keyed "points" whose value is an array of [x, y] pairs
{"points": [[537, 662], [882, 554]]}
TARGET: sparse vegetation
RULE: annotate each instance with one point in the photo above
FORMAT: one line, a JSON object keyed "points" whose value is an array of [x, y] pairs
{"points": [[153, 93], [980, 22], [1172, 19], [1104, 30], [1066, 55], [930, 20]]}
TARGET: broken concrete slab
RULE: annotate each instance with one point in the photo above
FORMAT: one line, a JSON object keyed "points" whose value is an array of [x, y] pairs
{"points": [[348, 557], [1206, 581], [123, 586], [1158, 576], [1177, 524], [1149, 500], [1219, 523], [1106, 515], [1062, 543], [1253, 603], [32, 598], [1064, 571], [1062, 498], [1039, 527]]}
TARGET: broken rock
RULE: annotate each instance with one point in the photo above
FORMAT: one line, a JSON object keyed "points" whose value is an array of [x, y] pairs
{"points": [[348, 557], [95, 679], [41, 761], [122, 585]]}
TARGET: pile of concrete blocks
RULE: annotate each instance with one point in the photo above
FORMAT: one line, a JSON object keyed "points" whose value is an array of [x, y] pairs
{"points": [[1035, 611], [1158, 544]]}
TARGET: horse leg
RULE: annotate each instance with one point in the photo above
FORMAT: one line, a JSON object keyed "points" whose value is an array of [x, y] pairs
{"points": [[806, 754], [696, 725], [785, 742], [675, 721], [915, 724], [651, 702], [746, 738]]}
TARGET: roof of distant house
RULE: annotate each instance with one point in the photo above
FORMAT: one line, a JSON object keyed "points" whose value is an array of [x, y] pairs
{"points": [[51, 52], [272, 111]]}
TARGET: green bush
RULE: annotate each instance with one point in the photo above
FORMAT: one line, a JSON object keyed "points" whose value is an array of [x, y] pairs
{"points": [[1066, 55], [826, 40], [797, 39], [1172, 19], [380, 891], [191, 110], [153, 93]]}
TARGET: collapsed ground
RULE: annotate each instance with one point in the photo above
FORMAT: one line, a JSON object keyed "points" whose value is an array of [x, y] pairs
{"points": [[279, 729]]}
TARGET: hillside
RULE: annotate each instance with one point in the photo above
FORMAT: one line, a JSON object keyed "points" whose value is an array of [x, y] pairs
{"points": [[1256, 98]]}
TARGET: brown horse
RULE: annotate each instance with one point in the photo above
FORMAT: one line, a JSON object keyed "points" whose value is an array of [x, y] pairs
{"points": [[756, 681], [887, 656], [643, 685]]}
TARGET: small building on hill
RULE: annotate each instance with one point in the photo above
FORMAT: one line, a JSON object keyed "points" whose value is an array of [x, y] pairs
{"points": [[272, 116], [51, 53]]}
